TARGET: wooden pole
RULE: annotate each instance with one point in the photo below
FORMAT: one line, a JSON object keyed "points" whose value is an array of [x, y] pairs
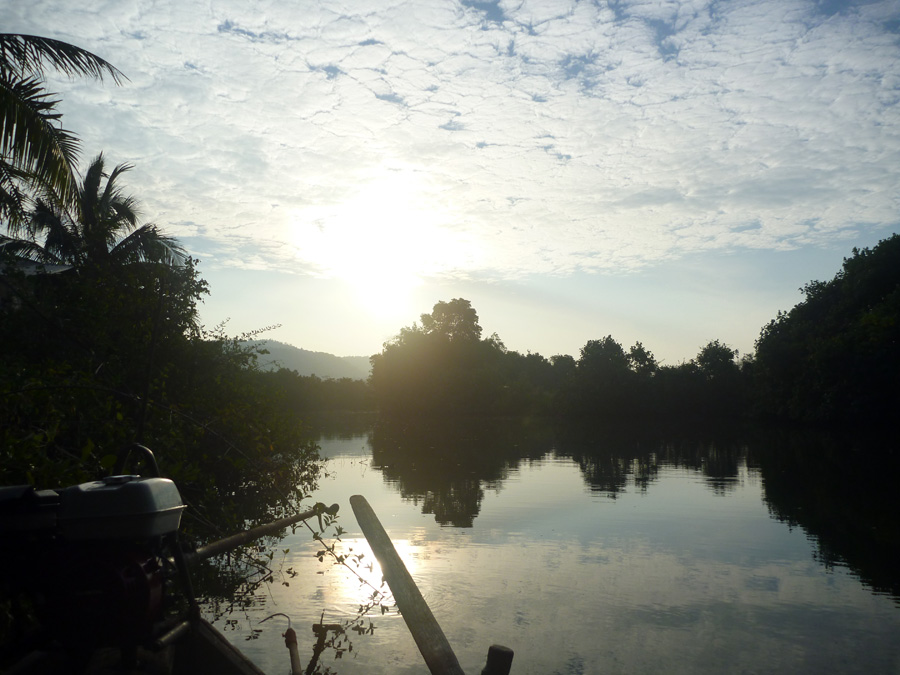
{"points": [[429, 637], [241, 538]]}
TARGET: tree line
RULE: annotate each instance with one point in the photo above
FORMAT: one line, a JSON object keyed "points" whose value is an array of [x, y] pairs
{"points": [[443, 365], [832, 359]]}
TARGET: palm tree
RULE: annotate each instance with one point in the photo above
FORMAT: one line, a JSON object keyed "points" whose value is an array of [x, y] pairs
{"points": [[99, 228], [35, 150]]}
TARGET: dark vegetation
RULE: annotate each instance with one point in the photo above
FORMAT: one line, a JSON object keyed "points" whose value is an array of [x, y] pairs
{"points": [[832, 360], [99, 327], [102, 348], [443, 365], [835, 357]]}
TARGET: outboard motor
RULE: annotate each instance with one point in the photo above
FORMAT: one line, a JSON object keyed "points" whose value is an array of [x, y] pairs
{"points": [[96, 554]]}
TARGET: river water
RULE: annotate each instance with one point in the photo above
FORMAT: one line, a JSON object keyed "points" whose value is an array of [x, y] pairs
{"points": [[591, 552]]}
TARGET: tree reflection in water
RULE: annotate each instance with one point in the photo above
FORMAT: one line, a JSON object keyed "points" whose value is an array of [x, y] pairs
{"points": [[446, 464], [842, 490], [839, 491]]}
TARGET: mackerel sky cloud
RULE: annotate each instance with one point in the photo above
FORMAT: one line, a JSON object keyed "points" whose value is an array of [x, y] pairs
{"points": [[482, 147]]}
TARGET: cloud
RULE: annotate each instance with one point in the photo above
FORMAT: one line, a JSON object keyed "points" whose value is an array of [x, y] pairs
{"points": [[552, 136]]}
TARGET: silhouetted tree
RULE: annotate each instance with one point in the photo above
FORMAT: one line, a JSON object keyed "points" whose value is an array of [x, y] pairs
{"points": [[455, 320], [642, 361], [602, 385], [100, 227], [603, 357], [721, 393], [717, 360], [834, 357], [441, 366]]}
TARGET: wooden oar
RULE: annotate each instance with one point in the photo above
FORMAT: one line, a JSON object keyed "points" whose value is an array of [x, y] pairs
{"points": [[424, 627]]}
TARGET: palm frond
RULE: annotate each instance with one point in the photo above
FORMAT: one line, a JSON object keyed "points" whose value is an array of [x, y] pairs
{"points": [[147, 244], [62, 240], [31, 54], [89, 192], [102, 227], [114, 200], [12, 248], [13, 199], [30, 135]]}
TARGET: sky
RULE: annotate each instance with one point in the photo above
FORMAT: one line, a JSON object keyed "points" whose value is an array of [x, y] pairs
{"points": [[669, 172]]}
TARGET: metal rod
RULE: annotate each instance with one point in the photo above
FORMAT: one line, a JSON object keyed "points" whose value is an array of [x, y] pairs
{"points": [[424, 627], [125, 453], [172, 636], [241, 538], [290, 641]]}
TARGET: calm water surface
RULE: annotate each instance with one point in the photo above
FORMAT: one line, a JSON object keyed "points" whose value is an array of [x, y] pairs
{"points": [[593, 554]]}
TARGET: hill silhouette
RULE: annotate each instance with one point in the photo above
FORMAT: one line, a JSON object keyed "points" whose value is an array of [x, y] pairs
{"points": [[305, 362]]}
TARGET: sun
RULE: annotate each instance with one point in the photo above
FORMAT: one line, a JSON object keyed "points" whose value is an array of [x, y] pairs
{"points": [[383, 241]]}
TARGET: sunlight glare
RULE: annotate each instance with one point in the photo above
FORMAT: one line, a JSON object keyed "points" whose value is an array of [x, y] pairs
{"points": [[349, 592], [383, 241]]}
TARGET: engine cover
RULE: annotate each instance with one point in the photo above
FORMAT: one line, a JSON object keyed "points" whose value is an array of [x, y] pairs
{"points": [[120, 507]]}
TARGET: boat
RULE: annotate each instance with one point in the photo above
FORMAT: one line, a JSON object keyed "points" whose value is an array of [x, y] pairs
{"points": [[197, 648], [107, 550], [106, 553]]}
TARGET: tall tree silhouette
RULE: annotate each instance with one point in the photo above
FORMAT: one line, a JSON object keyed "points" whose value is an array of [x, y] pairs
{"points": [[455, 320], [833, 357], [100, 227]]}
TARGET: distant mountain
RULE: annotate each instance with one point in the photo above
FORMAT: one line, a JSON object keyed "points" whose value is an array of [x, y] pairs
{"points": [[305, 362]]}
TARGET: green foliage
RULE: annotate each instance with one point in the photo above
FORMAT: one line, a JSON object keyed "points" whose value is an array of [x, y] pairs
{"points": [[834, 358], [602, 385], [99, 358], [717, 361], [642, 361], [603, 358], [102, 345], [107, 350], [445, 367]]}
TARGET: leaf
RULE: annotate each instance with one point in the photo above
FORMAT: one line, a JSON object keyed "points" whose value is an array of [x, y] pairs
{"points": [[108, 461], [87, 450]]}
